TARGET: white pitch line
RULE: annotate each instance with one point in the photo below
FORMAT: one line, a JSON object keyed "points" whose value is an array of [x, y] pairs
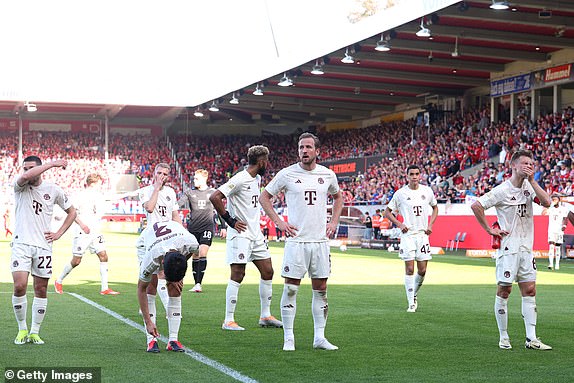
{"points": [[195, 355]]}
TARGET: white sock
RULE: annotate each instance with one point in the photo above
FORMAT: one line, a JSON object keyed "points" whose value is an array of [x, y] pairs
{"points": [[320, 309], [20, 305], [231, 300], [162, 292], [152, 314], [67, 269], [557, 252], [501, 314], [104, 275], [419, 279], [529, 314], [410, 288], [173, 317], [289, 309], [551, 255], [265, 295], [38, 314]]}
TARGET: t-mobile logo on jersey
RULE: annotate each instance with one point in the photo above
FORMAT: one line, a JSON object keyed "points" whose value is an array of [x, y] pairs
{"points": [[254, 200], [311, 196], [418, 210], [162, 210], [37, 206], [201, 204]]}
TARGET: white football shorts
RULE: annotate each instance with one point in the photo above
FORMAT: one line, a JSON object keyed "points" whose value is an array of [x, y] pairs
{"points": [[33, 259], [415, 248], [556, 237], [306, 257], [93, 242], [519, 267], [240, 250]]}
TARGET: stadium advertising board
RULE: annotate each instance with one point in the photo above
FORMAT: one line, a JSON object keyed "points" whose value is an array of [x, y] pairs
{"points": [[348, 167], [351, 166], [551, 76], [510, 85]]}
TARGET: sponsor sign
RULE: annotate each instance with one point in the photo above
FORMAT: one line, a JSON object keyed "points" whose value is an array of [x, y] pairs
{"points": [[510, 85], [557, 73], [492, 253]]}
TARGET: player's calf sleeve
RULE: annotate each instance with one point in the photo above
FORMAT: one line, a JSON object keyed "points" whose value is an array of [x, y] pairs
{"points": [[289, 309], [162, 292], [20, 306], [551, 250], [231, 300], [501, 314], [201, 269], [410, 288], [104, 275], [173, 317], [195, 268], [152, 313], [38, 313], [67, 269], [265, 295], [419, 279], [529, 314], [320, 309]]}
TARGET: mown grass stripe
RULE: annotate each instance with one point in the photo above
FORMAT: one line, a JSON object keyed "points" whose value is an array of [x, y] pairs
{"points": [[195, 355]]}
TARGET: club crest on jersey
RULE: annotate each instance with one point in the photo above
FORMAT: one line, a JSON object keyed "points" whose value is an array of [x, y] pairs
{"points": [[46, 196], [168, 198], [526, 193], [507, 274], [15, 264], [241, 256], [286, 269], [423, 197], [321, 181]]}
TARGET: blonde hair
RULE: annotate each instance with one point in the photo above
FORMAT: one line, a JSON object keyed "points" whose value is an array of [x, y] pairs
{"points": [[93, 178], [202, 172]]}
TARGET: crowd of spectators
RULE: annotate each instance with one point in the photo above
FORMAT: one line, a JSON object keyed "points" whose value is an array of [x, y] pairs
{"points": [[460, 155]]}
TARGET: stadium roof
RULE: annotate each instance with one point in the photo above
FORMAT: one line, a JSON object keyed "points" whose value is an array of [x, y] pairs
{"points": [[469, 42]]}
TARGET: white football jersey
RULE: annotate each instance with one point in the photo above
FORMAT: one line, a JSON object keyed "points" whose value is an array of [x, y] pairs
{"points": [[91, 207], [306, 194], [161, 237], [414, 206], [514, 212], [34, 210], [555, 217], [165, 206], [242, 192]]}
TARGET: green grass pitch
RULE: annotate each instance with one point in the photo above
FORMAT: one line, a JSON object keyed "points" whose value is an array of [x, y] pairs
{"points": [[452, 338]]}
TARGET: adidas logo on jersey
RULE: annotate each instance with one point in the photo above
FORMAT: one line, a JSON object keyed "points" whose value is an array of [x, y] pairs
{"points": [[513, 198], [298, 181]]}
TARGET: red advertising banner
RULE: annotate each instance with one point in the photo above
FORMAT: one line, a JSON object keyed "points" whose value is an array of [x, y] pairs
{"points": [[557, 73]]}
